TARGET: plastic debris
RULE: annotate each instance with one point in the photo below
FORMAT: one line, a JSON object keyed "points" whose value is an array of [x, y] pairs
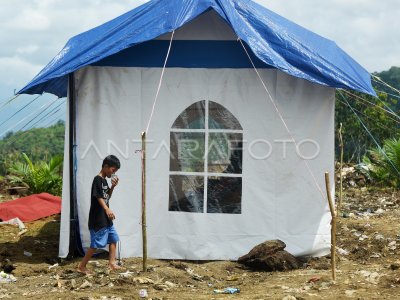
{"points": [[143, 293], [27, 253], [127, 274], [15, 221], [228, 290], [6, 278], [53, 266], [342, 251]]}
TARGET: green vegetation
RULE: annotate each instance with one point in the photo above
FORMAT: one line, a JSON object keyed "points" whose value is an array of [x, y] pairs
{"points": [[384, 166], [39, 177], [382, 125], [391, 77], [38, 143]]}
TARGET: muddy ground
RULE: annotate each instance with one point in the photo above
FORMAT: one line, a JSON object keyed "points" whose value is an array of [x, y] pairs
{"points": [[368, 265]]}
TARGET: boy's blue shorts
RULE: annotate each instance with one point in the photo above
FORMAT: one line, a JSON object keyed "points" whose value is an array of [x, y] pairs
{"points": [[102, 237]]}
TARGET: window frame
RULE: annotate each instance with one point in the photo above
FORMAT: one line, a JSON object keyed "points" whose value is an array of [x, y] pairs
{"points": [[205, 174]]}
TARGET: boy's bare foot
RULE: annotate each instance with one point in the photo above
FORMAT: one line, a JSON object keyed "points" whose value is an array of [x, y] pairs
{"points": [[85, 270], [115, 267]]}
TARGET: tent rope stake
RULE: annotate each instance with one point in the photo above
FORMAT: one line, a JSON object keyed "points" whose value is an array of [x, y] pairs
{"points": [[144, 230], [333, 226]]}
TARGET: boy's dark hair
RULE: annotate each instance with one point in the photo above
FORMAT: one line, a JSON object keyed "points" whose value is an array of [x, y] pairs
{"points": [[111, 161]]}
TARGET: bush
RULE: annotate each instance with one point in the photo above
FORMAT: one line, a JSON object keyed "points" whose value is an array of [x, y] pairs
{"points": [[39, 177], [385, 168]]}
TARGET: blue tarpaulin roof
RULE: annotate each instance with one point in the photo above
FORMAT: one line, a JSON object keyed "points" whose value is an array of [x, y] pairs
{"points": [[273, 39]]}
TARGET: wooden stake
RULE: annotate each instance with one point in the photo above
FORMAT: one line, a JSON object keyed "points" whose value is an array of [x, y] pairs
{"points": [[144, 229], [339, 205], [333, 226]]}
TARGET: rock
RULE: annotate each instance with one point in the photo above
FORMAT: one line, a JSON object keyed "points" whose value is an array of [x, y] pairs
{"points": [[7, 266], [73, 283], [395, 266], [372, 277], [161, 287], [349, 293], [85, 284], [5, 252], [289, 297], [269, 256], [143, 280], [169, 284]]}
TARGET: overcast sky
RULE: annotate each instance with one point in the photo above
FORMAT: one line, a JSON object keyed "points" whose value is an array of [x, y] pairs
{"points": [[32, 32]]}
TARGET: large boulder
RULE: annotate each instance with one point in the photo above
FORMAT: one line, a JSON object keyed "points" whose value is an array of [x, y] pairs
{"points": [[269, 256]]}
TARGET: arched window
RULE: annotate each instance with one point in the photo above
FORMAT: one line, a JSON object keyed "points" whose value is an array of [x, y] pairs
{"points": [[206, 181]]}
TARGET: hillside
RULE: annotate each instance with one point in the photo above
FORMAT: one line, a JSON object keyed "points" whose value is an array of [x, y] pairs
{"points": [[37, 143]]}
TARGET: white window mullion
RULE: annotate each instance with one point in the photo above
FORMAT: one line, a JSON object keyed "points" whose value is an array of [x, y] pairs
{"points": [[206, 157]]}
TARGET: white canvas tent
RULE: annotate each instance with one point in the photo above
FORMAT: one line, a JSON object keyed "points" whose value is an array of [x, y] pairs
{"points": [[223, 170]]}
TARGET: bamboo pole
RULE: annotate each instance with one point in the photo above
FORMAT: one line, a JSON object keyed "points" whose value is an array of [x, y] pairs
{"points": [[339, 206], [144, 229], [333, 226]]}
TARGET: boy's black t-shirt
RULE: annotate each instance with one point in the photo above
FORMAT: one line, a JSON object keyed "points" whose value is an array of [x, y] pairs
{"points": [[97, 216]]}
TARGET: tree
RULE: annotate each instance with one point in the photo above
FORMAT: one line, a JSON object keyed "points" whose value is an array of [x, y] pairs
{"points": [[380, 123], [40, 177]]}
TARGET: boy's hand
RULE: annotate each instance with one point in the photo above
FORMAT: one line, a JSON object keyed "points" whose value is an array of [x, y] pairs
{"points": [[110, 214], [114, 181]]}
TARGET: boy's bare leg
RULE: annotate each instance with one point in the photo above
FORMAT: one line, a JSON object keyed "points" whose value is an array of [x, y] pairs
{"points": [[111, 261], [82, 266]]}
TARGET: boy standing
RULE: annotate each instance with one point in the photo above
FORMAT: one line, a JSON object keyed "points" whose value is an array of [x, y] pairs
{"points": [[102, 231]]}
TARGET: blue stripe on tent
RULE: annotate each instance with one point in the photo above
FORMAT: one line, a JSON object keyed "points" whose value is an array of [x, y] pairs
{"points": [[184, 54]]}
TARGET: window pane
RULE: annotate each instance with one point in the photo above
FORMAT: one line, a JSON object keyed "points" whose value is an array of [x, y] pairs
{"points": [[187, 151], [192, 117], [186, 193], [225, 153], [221, 118], [224, 195]]}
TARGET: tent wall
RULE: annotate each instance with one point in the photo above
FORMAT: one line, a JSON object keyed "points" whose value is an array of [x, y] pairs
{"points": [[279, 196]]}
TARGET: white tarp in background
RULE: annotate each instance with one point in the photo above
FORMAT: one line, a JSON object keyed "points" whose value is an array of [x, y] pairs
{"points": [[279, 196]]}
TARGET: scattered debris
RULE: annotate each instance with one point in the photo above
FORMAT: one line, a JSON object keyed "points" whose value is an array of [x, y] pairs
{"points": [[6, 278], [194, 275], [228, 290], [143, 280], [85, 284], [53, 266], [143, 293], [372, 277]]}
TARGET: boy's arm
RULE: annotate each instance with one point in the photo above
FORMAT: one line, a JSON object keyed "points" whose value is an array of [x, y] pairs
{"points": [[108, 211]]}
